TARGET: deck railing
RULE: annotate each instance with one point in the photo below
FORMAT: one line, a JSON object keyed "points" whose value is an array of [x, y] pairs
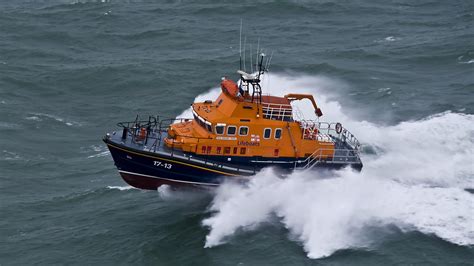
{"points": [[335, 156], [274, 111], [322, 129], [144, 131]]}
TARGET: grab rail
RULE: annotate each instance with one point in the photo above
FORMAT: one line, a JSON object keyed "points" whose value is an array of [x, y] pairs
{"points": [[330, 129], [338, 156], [275, 111], [154, 128]]}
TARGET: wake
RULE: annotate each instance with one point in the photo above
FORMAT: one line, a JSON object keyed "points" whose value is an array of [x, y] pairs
{"points": [[416, 177]]}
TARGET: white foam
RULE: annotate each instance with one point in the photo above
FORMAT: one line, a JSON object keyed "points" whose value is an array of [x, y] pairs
{"points": [[388, 39], [34, 118], [100, 154], [391, 39], [121, 188], [331, 214], [415, 180], [8, 155], [387, 91], [165, 192], [98, 147], [181, 195], [100, 151]]}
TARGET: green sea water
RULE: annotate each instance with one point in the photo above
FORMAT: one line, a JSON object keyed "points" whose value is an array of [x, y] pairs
{"points": [[398, 74]]}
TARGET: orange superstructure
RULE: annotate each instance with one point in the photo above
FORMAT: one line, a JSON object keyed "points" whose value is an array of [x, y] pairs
{"points": [[236, 124]]}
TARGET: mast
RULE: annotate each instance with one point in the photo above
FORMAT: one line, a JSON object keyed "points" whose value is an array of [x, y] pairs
{"points": [[240, 45], [252, 81]]}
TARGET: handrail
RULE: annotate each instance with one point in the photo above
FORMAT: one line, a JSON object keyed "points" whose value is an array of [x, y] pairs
{"points": [[155, 127], [330, 129], [277, 111], [348, 155]]}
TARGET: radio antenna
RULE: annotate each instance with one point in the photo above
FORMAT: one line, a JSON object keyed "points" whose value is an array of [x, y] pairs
{"points": [[251, 61], [258, 50], [240, 45], [245, 43], [267, 67]]}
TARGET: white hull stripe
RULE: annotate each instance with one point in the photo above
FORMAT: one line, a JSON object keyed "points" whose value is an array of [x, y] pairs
{"points": [[168, 179]]}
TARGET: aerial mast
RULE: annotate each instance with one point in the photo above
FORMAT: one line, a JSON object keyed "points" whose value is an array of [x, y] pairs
{"points": [[252, 80], [240, 45]]}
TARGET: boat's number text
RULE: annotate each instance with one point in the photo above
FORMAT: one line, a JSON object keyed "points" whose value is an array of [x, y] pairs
{"points": [[161, 164]]}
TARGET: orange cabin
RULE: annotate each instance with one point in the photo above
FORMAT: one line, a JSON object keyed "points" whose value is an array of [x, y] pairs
{"points": [[236, 125]]}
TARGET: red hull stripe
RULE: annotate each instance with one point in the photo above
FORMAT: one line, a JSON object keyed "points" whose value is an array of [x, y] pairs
{"points": [[170, 180]]}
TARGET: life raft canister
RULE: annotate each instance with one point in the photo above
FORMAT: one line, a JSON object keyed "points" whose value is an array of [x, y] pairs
{"points": [[230, 87]]}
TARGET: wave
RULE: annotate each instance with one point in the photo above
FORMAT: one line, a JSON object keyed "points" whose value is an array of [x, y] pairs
{"points": [[96, 150], [389, 39], [37, 117], [9, 126], [121, 188], [100, 154], [327, 215], [10, 156], [467, 62], [416, 176]]}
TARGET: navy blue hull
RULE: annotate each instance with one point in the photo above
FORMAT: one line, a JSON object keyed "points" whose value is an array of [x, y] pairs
{"points": [[149, 170]]}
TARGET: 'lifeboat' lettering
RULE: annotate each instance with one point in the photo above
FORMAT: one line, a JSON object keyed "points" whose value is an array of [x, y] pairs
{"points": [[248, 143]]}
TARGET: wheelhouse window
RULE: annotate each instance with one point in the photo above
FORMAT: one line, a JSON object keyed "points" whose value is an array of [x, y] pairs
{"points": [[278, 133], [231, 130], [267, 133], [220, 129], [243, 131], [209, 127], [202, 122]]}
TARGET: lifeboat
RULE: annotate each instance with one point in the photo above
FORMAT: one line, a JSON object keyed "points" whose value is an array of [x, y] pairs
{"points": [[230, 138]]}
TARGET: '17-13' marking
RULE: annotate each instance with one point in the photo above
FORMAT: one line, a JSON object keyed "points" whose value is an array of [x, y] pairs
{"points": [[163, 165]]}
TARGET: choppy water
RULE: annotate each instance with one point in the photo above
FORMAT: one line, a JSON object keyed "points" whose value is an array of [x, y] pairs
{"points": [[400, 75]]}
